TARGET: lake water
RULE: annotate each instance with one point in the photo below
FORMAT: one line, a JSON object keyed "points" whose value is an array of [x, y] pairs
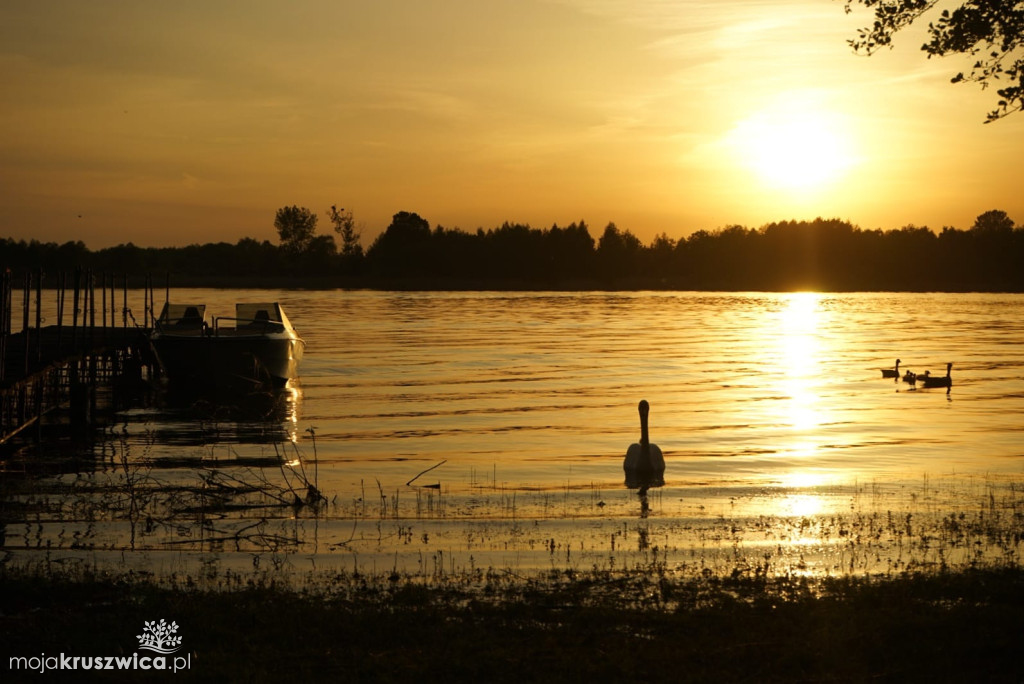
{"points": [[451, 432]]}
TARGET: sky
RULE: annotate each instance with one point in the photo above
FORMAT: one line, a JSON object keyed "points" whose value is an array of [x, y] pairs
{"points": [[167, 124]]}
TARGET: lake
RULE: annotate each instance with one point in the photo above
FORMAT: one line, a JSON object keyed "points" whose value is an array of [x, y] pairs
{"points": [[468, 432]]}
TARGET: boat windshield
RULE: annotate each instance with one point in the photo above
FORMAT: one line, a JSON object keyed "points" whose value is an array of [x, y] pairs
{"points": [[264, 317], [182, 316]]}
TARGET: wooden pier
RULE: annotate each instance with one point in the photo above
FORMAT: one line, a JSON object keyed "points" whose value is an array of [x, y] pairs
{"points": [[99, 346]]}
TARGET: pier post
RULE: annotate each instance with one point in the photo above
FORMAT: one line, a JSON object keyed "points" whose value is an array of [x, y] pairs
{"points": [[62, 283], [39, 316], [5, 318], [74, 310], [25, 305]]}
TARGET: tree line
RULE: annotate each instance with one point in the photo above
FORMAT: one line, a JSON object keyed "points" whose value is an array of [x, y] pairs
{"points": [[823, 254]]}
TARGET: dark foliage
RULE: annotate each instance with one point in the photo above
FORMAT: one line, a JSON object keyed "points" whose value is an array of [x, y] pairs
{"points": [[823, 254], [296, 226], [990, 32]]}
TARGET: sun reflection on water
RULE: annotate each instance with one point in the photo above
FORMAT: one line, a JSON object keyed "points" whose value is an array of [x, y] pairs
{"points": [[292, 399], [800, 351], [803, 479], [802, 505]]}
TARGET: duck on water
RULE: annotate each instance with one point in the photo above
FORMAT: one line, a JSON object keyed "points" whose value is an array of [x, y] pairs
{"points": [[929, 380], [909, 377]]}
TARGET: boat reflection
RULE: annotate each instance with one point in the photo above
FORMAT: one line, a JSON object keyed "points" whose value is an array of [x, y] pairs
{"points": [[195, 416]]}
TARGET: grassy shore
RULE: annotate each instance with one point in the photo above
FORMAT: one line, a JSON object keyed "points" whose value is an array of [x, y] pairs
{"points": [[952, 627]]}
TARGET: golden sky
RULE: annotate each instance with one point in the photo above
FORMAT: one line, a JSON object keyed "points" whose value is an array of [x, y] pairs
{"points": [[169, 123]]}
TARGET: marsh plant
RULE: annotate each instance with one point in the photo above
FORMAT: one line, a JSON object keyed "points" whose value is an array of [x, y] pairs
{"points": [[134, 503], [229, 515]]}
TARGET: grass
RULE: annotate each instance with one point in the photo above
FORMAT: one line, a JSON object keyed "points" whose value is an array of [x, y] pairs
{"points": [[963, 626]]}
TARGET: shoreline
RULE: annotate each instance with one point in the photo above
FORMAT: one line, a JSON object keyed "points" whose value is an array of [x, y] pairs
{"points": [[629, 626]]}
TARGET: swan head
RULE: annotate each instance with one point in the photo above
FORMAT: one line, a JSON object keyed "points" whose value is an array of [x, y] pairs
{"points": [[644, 409]]}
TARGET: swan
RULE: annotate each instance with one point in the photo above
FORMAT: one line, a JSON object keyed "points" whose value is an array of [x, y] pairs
{"points": [[929, 380], [644, 463], [892, 372]]}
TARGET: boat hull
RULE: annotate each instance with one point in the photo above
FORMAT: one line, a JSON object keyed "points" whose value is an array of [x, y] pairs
{"points": [[207, 360]]}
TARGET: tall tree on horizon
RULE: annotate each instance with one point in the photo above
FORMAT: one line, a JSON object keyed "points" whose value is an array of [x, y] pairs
{"points": [[344, 226], [993, 222], [296, 227]]}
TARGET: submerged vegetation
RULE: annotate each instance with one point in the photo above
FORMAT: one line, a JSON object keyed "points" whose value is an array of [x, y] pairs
{"points": [[823, 254]]}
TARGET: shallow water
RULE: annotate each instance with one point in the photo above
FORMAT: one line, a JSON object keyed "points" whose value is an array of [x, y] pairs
{"points": [[453, 431]]}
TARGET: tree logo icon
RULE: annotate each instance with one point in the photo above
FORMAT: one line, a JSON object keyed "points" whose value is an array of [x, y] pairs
{"points": [[156, 636]]}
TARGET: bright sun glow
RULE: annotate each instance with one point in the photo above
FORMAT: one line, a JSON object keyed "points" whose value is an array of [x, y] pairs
{"points": [[798, 146]]}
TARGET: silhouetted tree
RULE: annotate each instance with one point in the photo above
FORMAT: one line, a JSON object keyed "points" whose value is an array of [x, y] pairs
{"points": [[993, 222], [257, 257], [319, 256], [617, 253], [456, 254], [997, 250], [827, 254], [344, 226], [296, 226], [408, 226], [571, 250], [402, 249], [991, 31]]}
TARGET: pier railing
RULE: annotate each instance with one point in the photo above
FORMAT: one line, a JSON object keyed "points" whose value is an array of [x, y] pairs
{"points": [[79, 338]]}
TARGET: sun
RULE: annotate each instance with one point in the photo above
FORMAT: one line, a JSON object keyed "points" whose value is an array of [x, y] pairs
{"points": [[796, 146]]}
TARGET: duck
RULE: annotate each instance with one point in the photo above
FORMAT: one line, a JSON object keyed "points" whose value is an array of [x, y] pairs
{"points": [[910, 378], [644, 463], [892, 372], [929, 380]]}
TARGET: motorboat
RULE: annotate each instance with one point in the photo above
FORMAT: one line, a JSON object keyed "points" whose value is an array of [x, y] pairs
{"points": [[257, 346]]}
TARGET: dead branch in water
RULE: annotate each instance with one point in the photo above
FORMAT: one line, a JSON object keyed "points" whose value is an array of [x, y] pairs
{"points": [[437, 486]]}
